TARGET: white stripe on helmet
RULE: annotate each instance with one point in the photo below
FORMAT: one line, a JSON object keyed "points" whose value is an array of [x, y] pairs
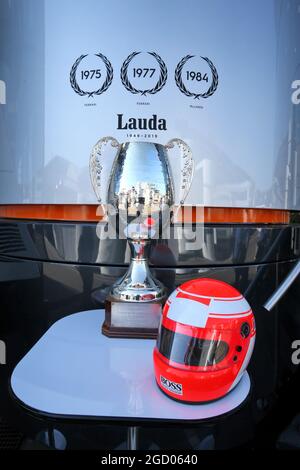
{"points": [[229, 316], [209, 297], [188, 312], [233, 307]]}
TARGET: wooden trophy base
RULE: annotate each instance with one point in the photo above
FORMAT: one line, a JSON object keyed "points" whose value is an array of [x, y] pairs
{"points": [[131, 319]]}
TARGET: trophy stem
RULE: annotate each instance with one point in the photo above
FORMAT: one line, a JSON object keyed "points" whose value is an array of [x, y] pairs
{"points": [[139, 249], [138, 284]]}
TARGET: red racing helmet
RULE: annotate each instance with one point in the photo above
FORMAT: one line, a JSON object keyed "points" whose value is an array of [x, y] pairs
{"points": [[205, 341]]}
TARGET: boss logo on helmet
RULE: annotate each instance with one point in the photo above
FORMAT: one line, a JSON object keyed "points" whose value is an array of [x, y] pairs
{"points": [[171, 386]]}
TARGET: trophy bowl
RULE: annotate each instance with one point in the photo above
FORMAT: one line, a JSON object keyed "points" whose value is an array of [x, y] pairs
{"points": [[141, 191]]}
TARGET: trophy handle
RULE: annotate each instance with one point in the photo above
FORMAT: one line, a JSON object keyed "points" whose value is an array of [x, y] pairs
{"points": [[187, 167], [96, 163]]}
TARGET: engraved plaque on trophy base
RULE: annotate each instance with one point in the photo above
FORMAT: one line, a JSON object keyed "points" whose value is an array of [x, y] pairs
{"points": [[131, 319]]}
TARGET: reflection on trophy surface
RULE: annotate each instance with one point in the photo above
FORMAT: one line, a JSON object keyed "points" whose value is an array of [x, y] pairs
{"points": [[141, 190]]}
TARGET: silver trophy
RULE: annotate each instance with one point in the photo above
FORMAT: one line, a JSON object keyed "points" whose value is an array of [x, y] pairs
{"points": [[141, 191]]}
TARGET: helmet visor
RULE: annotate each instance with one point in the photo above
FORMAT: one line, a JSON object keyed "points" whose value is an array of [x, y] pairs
{"points": [[191, 351]]}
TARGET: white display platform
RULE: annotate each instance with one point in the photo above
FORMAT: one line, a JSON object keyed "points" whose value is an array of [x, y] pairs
{"points": [[73, 370]]}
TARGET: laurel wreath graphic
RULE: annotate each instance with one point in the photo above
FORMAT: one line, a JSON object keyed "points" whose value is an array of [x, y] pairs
{"points": [[106, 84], [182, 87], [160, 83]]}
